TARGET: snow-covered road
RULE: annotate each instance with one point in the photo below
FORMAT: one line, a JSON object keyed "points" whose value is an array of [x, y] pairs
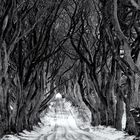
{"points": [[62, 126], [61, 123], [65, 128]]}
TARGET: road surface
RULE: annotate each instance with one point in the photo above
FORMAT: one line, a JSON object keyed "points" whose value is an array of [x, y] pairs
{"points": [[60, 124], [64, 126]]}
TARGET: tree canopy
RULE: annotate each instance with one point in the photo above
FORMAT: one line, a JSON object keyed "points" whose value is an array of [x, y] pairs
{"points": [[88, 50]]}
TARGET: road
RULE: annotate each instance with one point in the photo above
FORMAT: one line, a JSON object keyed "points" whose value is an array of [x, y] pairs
{"points": [[65, 128], [60, 124]]}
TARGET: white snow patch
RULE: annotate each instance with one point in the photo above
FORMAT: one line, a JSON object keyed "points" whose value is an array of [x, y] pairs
{"points": [[124, 118], [110, 133]]}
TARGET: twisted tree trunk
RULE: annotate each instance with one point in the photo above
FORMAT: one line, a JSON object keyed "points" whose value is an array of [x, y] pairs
{"points": [[131, 127], [4, 86]]}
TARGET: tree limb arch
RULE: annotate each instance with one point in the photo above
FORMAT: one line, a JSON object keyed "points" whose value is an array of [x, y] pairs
{"points": [[123, 38]]}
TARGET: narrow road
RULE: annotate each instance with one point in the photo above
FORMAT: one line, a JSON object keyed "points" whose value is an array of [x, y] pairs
{"points": [[60, 124], [65, 128]]}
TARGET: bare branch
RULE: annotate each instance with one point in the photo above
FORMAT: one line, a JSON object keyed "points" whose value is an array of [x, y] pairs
{"points": [[136, 5]]}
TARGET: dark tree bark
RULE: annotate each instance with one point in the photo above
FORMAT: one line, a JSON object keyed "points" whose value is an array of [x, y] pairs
{"points": [[131, 127]]}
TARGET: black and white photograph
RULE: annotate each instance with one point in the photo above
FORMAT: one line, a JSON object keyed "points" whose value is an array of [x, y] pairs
{"points": [[69, 69]]}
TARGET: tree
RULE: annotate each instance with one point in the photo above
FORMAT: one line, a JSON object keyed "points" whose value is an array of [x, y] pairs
{"points": [[72, 47]]}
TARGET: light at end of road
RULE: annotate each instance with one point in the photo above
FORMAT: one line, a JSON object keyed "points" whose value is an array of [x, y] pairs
{"points": [[58, 96]]}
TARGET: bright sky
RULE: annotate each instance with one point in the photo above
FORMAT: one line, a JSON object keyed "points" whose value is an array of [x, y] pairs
{"points": [[58, 96]]}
